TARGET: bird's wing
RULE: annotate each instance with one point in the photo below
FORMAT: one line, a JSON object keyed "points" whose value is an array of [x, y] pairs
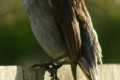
{"points": [[91, 50], [73, 18], [69, 28]]}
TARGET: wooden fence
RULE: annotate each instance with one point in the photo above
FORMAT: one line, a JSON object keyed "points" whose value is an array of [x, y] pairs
{"points": [[106, 72]]}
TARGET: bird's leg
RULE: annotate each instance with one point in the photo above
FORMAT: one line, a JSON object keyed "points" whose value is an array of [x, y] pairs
{"points": [[52, 66], [48, 63], [53, 70]]}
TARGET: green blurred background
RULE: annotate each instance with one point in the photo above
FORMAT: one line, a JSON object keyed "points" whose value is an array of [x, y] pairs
{"points": [[18, 45]]}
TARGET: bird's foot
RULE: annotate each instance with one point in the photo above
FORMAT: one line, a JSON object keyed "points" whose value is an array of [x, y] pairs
{"points": [[53, 70], [51, 67], [40, 65]]}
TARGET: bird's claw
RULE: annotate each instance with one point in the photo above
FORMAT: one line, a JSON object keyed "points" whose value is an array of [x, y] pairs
{"points": [[51, 67]]}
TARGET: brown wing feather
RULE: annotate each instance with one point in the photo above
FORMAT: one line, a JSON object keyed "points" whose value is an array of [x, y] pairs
{"points": [[91, 50], [69, 28]]}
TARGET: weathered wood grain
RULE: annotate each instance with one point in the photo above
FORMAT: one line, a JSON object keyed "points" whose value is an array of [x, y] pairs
{"points": [[11, 73], [106, 72]]}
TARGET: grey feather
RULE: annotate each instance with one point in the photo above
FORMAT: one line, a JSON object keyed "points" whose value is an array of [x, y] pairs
{"points": [[44, 27]]}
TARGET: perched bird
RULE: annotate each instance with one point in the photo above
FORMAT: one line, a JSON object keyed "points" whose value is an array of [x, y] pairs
{"points": [[65, 27]]}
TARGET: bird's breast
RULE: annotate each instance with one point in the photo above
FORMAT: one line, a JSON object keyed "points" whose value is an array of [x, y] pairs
{"points": [[45, 29]]}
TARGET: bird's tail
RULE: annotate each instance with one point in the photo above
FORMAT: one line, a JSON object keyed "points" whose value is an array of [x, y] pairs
{"points": [[90, 72], [73, 68]]}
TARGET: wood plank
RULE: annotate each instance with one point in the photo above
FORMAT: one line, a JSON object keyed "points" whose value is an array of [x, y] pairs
{"points": [[106, 72], [109, 72], [11, 73]]}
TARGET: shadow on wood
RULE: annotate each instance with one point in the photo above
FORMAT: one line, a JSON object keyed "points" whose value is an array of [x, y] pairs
{"points": [[34, 74]]}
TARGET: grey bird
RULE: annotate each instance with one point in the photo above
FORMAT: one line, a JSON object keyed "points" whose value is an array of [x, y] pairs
{"points": [[65, 27]]}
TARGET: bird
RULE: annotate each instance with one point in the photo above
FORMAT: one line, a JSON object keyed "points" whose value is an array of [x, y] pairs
{"points": [[64, 27]]}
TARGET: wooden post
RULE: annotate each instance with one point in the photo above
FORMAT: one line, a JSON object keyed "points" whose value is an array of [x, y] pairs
{"points": [[11, 73], [109, 72], [106, 72]]}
